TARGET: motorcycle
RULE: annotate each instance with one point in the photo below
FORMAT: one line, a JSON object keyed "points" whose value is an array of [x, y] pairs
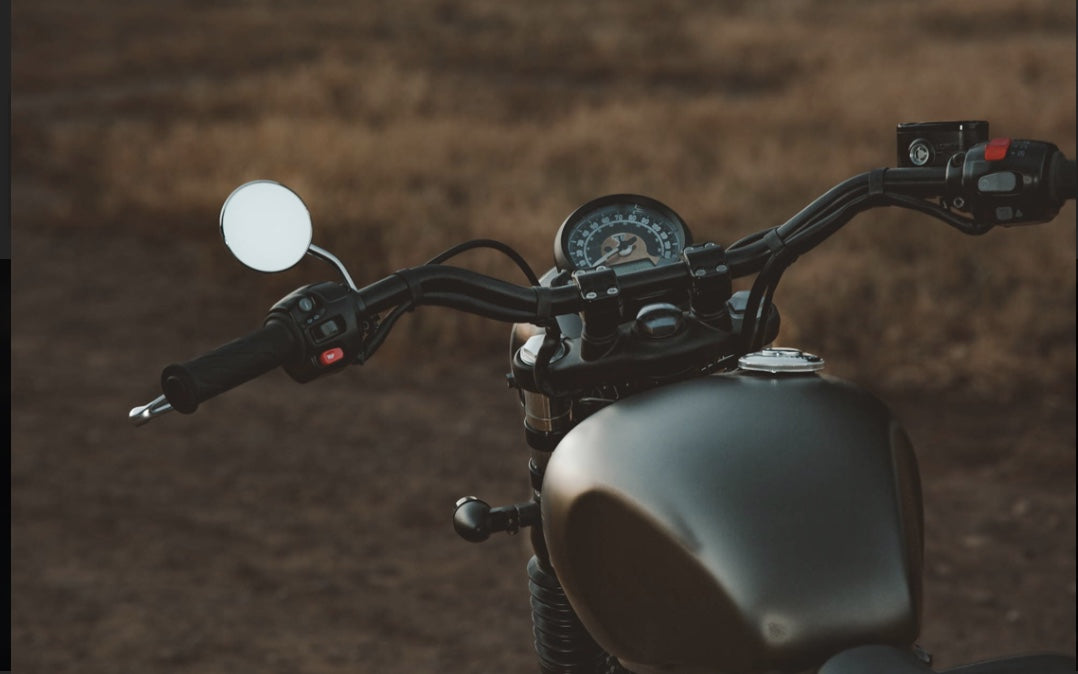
{"points": [[701, 501]]}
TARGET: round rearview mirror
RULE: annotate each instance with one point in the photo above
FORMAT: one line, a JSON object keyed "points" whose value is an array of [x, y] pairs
{"points": [[266, 226]]}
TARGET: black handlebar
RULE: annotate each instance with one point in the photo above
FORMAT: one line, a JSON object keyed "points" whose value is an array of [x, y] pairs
{"points": [[187, 384], [1023, 182]]}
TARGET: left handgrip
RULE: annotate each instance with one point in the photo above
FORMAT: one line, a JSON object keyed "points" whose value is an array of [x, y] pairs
{"points": [[185, 385]]}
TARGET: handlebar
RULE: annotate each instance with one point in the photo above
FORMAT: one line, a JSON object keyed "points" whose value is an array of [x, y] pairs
{"points": [[1001, 182]]}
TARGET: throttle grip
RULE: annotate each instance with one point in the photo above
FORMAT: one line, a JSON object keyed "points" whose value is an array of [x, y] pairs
{"points": [[185, 385]]}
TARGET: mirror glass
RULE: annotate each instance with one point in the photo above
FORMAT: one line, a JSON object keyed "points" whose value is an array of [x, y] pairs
{"points": [[266, 226]]}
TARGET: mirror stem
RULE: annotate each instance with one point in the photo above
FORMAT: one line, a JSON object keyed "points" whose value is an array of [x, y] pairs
{"points": [[332, 259]]}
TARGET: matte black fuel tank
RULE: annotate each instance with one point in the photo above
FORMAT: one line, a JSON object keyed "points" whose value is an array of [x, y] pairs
{"points": [[738, 523]]}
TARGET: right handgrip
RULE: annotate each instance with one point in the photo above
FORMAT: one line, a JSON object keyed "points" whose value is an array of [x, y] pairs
{"points": [[187, 384]]}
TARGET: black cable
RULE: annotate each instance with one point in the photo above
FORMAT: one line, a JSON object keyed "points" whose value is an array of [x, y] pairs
{"points": [[750, 253], [811, 233], [453, 300], [815, 233], [802, 234], [552, 338], [380, 334], [830, 201], [763, 289], [551, 342], [488, 243], [748, 240], [472, 305], [963, 225]]}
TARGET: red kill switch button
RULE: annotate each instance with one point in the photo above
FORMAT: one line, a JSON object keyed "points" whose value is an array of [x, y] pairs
{"points": [[997, 149], [331, 356]]}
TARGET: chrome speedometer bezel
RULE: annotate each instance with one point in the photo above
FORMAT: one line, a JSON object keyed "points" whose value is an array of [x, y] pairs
{"points": [[580, 217]]}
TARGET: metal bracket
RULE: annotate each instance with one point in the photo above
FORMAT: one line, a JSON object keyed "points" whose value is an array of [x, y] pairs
{"points": [[712, 285], [602, 310], [597, 285]]}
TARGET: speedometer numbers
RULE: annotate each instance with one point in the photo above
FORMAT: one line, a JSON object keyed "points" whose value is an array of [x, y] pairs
{"points": [[617, 230]]}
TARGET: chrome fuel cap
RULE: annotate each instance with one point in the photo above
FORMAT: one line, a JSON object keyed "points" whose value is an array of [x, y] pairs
{"points": [[780, 360]]}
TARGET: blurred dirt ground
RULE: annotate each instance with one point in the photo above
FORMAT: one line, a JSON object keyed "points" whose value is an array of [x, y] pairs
{"points": [[286, 528], [306, 528]]}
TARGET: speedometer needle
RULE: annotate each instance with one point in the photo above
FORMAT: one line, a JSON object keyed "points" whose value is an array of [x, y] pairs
{"points": [[616, 250]]}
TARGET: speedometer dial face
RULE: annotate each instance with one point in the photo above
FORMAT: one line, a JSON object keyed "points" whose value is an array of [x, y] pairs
{"points": [[620, 231]]}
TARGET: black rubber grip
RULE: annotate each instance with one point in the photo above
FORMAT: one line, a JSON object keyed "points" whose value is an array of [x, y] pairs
{"points": [[1061, 181], [187, 384]]}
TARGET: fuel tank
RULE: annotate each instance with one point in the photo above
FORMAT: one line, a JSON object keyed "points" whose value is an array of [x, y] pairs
{"points": [[744, 522]]}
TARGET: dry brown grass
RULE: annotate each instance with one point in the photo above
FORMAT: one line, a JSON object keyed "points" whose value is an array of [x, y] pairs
{"points": [[409, 126]]}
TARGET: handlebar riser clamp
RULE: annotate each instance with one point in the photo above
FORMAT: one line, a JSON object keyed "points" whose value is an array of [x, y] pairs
{"points": [[601, 315], [712, 284]]}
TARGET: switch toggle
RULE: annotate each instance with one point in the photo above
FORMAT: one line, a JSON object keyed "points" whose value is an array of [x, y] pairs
{"points": [[331, 356], [326, 329], [1000, 182]]}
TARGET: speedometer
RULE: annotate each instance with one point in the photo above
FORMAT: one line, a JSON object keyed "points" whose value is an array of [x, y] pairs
{"points": [[621, 231]]}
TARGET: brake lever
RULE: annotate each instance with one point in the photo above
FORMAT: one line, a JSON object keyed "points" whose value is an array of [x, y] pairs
{"points": [[139, 416]]}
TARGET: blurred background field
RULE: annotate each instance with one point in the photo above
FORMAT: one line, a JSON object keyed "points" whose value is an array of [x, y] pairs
{"points": [[410, 126], [287, 528]]}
